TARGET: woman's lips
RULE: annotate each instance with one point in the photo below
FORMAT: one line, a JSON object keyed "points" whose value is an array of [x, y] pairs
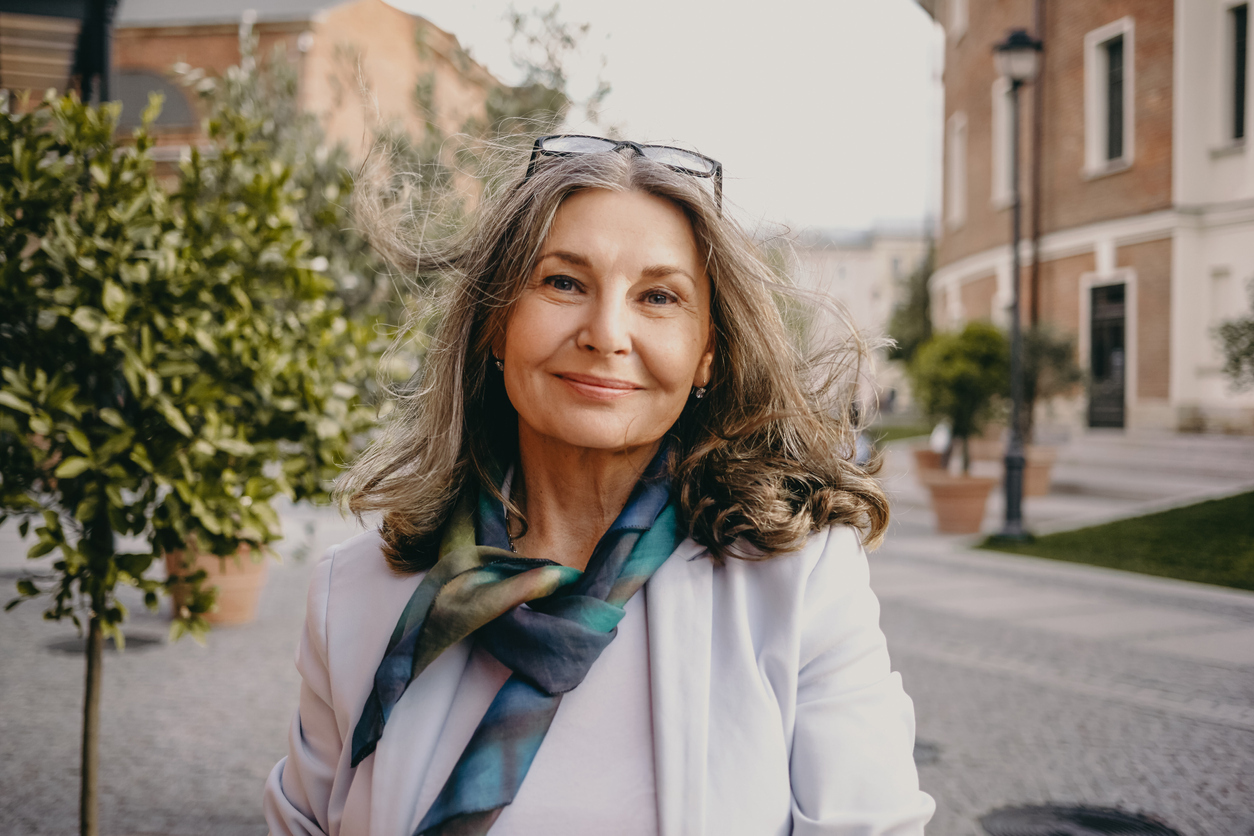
{"points": [[598, 388]]}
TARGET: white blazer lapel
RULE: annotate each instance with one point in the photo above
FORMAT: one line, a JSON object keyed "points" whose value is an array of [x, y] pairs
{"points": [[679, 606]]}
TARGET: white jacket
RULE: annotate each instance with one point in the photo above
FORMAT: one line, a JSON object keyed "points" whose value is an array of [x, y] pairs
{"points": [[774, 708]]}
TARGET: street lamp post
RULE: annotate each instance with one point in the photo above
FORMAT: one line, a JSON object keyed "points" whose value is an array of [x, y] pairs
{"points": [[1017, 58]]}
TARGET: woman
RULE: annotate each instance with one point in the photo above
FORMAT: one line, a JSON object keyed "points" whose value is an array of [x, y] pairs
{"points": [[615, 457]]}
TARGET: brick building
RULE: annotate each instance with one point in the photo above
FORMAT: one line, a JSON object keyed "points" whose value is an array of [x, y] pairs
{"points": [[361, 63], [1146, 232]]}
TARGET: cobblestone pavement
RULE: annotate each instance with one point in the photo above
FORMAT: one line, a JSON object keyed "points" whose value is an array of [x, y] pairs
{"points": [[188, 733], [1035, 681], [1039, 681], [1060, 690]]}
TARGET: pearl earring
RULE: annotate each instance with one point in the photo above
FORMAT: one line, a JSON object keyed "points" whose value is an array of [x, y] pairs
{"points": [[500, 364]]}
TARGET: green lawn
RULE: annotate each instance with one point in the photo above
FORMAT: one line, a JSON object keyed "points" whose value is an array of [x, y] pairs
{"points": [[1211, 542], [881, 435]]}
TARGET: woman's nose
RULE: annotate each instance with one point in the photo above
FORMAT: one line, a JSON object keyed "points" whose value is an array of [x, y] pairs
{"points": [[607, 328]]}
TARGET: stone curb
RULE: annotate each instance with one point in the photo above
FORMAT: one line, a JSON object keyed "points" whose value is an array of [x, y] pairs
{"points": [[953, 553]]}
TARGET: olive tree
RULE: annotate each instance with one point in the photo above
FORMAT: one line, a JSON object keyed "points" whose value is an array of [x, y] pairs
{"points": [[958, 376], [171, 363]]}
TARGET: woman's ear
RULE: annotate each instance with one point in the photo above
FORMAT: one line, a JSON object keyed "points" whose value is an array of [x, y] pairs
{"points": [[702, 378], [497, 347]]}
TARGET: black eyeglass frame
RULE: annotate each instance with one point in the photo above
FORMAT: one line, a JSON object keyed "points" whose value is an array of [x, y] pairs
{"points": [[716, 173]]}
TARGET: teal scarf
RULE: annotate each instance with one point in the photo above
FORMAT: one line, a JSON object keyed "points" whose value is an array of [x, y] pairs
{"points": [[549, 644]]}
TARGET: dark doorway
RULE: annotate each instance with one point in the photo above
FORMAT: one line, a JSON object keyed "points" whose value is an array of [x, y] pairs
{"points": [[1107, 367]]}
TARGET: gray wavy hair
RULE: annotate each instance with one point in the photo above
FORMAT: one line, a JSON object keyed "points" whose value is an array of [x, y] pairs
{"points": [[766, 458]]}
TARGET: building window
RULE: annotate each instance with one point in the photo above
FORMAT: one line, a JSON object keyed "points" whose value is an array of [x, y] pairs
{"points": [[956, 170], [1114, 97], [1109, 71], [1003, 132], [1239, 24]]}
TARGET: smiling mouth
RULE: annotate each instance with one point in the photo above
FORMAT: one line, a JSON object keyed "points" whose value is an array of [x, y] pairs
{"points": [[598, 388]]}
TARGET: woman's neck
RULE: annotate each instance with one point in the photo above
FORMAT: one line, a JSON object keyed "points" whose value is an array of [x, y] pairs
{"points": [[571, 495]]}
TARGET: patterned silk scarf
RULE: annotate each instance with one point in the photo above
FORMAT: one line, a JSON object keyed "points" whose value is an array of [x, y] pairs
{"points": [[546, 622]]}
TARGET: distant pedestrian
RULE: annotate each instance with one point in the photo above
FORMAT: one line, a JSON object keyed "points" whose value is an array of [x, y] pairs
{"points": [[619, 585]]}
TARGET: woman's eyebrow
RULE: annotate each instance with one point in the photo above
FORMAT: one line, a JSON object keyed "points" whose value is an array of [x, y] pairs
{"points": [[573, 259], [653, 271], [661, 271]]}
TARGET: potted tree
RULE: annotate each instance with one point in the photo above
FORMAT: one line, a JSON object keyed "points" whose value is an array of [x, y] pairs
{"points": [[170, 363], [957, 377], [1049, 370]]}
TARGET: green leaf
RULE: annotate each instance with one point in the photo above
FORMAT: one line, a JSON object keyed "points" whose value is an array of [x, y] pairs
{"points": [[12, 401], [116, 300], [171, 413], [86, 509], [40, 549], [72, 467], [113, 418], [140, 456], [234, 446], [79, 440], [134, 565]]}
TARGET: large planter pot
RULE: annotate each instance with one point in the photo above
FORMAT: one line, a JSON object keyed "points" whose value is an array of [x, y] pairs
{"points": [[958, 501], [987, 449], [989, 445], [239, 580], [1039, 462], [925, 459]]}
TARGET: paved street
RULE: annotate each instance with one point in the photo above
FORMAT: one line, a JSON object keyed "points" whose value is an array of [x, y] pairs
{"points": [[1038, 681], [1033, 681]]}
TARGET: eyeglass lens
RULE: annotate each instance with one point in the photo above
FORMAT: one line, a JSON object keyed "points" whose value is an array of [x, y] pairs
{"points": [[678, 158], [577, 145], [673, 157]]}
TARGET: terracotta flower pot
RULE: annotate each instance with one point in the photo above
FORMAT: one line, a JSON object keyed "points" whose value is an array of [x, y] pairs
{"points": [[1037, 470], [958, 501], [987, 449], [926, 458], [239, 580]]}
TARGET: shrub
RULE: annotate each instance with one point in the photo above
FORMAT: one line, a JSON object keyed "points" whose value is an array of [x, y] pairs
{"points": [[958, 377], [170, 362]]}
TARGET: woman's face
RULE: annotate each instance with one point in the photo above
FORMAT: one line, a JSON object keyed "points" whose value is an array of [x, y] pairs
{"points": [[612, 329]]}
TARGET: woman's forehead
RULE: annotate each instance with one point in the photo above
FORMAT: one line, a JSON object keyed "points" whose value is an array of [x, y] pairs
{"points": [[600, 223]]}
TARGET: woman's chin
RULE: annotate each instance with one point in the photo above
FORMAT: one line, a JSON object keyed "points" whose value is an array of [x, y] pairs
{"points": [[608, 438]]}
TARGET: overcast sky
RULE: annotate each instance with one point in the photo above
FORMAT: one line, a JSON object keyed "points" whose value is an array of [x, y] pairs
{"points": [[823, 112]]}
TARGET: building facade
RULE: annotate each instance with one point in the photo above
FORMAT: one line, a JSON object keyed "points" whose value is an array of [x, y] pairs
{"points": [[862, 269], [1146, 196], [362, 64], [865, 272]]}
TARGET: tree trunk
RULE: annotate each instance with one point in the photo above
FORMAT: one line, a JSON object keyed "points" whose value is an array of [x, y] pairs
{"points": [[89, 808]]}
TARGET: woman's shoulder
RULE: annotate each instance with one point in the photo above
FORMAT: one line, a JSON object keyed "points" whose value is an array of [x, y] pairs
{"points": [[833, 547], [355, 574]]}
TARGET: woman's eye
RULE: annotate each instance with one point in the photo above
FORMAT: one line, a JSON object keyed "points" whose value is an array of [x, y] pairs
{"points": [[564, 283], [657, 297]]}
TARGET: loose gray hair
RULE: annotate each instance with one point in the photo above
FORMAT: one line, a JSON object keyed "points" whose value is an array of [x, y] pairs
{"points": [[767, 457]]}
